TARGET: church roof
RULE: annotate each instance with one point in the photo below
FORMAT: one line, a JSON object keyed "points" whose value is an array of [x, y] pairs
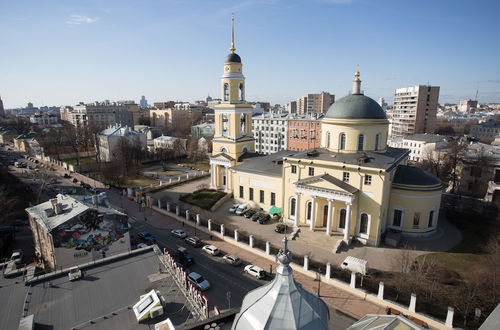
{"points": [[333, 180], [282, 304], [414, 176], [270, 165], [233, 58], [356, 106]]}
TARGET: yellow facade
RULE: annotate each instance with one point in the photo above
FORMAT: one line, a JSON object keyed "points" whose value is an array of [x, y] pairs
{"points": [[352, 185]]}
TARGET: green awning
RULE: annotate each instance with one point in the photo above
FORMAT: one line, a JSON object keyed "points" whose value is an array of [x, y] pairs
{"points": [[275, 210]]}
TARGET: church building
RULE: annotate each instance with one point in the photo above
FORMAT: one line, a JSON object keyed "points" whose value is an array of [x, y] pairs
{"points": [[354, 184]]}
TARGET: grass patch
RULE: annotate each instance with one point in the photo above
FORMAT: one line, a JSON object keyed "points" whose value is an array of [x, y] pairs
{"points": [[462, 263], [203, 198], [202, 165], [86, 160], [140, 181]]}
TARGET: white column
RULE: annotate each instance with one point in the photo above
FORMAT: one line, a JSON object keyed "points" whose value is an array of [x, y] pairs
{"points": [[268, 247], [159, 203], [413, 303], [209, 224], [222, 231], [347, 223], [353, 280], [306, 262], [213, 176], [226, 172], [328, 272], [197, 219], [250, 241], [187, 215], [177, 210], [313, 213], [449, 317], [297, 209], [329, 218], [168, 207], [380, 294], [236, 235]]}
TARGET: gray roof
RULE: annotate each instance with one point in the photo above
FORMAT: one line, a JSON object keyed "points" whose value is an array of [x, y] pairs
{"points": [[356, 106], [282, 304], [379, 160], [381, 322], [270, 165], [102, 291], [492, 321], [430, 138], [414, 176]]}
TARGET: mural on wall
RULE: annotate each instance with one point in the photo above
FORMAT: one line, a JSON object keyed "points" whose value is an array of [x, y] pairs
{"points": [[91, 231]]}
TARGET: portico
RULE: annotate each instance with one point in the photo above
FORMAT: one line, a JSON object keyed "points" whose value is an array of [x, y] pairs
{"points": [[323, 202], [220, 177]]}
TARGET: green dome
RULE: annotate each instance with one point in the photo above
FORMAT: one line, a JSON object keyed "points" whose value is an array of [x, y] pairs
{"points": [[356, 106]]}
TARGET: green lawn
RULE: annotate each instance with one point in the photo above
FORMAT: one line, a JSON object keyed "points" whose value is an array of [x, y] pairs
{"points": [[462, 263], [204, 199], [202, 165], [171, 172]]}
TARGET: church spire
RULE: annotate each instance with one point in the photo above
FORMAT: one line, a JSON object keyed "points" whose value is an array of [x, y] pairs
{"points": [[356, 83], [232, 49]]}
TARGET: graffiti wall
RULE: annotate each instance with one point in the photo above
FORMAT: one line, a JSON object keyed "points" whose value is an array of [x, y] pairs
{"points": [[89, 237]]}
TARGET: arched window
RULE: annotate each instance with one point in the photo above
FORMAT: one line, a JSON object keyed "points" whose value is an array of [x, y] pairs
{"points": [[342, 141], [377, 141], [223, 149], [293, 205], [342, 218], [243, 125], [363, 224], [226, 92], [431, 219], [309, 211], [328, 139], [361, 142], [242, 92]]}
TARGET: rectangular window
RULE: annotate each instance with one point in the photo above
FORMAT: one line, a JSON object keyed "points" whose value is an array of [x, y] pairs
{"points": [[311, 171], [261, 197], [416, 219], [294, 169], [368, 180], [273, 198], [241, 191], [431, 219], [398, 216], [345, 177], [250, 194]]}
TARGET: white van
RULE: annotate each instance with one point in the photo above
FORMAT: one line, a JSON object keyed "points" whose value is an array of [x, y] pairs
{"points": [[241, 209], [355, 265]]}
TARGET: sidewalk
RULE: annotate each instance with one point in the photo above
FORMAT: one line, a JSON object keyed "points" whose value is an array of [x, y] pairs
{"points": [[335, 298]]}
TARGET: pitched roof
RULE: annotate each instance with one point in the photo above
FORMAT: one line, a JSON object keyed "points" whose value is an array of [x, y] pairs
{"points": [[333, 180]]}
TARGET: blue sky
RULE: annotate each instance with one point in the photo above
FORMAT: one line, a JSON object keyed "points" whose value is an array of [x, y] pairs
{"points": [[63, 52]]}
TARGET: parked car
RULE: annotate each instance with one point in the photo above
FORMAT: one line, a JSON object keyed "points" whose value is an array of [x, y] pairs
{"points": [[211, 249], [248, 214], [255, 271], [233, 208], [256, 216], [74, 273], [264, 218], [142, 245], [232, 260], [241, 209], [183, 257], [194, 241], [17, 256], [199, 281], [147, 237], [179, 233]]}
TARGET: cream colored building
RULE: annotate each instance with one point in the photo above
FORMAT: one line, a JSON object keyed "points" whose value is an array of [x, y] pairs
{"points": [[354, 184]]}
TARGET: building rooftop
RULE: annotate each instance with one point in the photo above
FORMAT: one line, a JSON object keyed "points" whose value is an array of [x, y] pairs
{"points": [[356, 106], [104, 297], [382, 322], [490, 124], [414, 176], [379, 160], [119, 131], [429, 138], [270, 165]]}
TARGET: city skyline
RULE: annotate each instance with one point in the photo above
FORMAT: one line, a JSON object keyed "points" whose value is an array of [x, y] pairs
{"points": [[60, 53]]}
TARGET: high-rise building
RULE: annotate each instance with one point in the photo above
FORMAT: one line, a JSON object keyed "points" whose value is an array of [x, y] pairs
{"points": [[2, 111], [100, 115], [414, 110], [302, 105], [291, 107], [270, 131], [143, 102], [467, 105], [319, 103]]}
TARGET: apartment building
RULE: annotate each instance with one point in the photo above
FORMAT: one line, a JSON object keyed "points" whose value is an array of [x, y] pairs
{"points": [[304, 132], [270, 131], [314, 103], [164, 118], [467, 105], [424, 146], [99, 114], [110, 142], [414, 110], [42, 118], [486, 131], [302, 105]]}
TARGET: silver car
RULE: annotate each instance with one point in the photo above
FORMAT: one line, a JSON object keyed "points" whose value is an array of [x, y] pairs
{"points": [[199, 281]]}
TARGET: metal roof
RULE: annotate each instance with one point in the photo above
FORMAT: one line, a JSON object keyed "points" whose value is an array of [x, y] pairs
{"points": [[282, 304], [356, 106]]}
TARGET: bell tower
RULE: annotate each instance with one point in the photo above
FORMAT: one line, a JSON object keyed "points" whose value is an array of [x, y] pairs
{"points": [[233, 119]]}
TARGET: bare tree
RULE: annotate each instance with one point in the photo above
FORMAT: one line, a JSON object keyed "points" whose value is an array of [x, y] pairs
{"points": [[8, 202]]}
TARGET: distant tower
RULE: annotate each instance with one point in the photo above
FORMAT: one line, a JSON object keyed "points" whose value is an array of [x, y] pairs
{"points": [[30, 105], [143, 102], [2, 110]]}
